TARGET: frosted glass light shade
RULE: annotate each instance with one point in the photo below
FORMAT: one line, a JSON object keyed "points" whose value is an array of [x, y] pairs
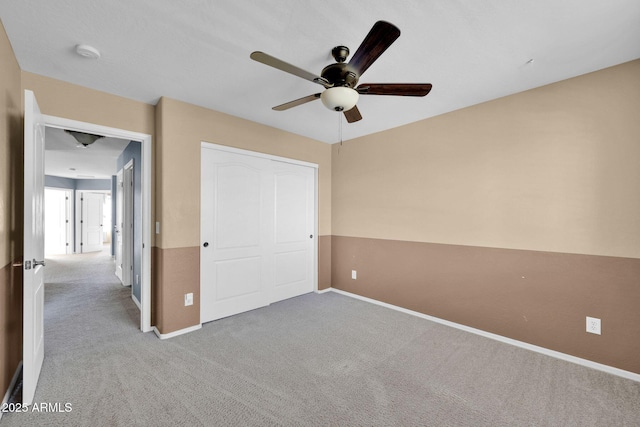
{"points": [[339, 98]]}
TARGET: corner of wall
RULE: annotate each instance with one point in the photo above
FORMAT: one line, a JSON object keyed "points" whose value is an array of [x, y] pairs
{"points": [[11, 215]]}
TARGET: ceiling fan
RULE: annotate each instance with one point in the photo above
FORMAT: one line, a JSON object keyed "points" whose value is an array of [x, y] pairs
{"points": [[340, 79]]}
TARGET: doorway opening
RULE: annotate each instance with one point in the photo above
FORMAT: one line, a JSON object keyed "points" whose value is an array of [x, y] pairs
{"points": [[94, 226]]}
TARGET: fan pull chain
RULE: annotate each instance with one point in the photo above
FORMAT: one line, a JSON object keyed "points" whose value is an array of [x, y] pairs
{"points": [[340, 127]]}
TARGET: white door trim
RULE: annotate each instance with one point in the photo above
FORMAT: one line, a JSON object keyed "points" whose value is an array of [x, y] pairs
{"points": [[213, 146], [145, 169]]}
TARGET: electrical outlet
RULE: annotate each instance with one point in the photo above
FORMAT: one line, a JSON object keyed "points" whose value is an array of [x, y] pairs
{"points": [[593, 325], [354, 274], [188, 299]]}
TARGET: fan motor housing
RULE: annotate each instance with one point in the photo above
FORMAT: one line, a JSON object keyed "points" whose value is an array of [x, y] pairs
{"points": [[340, 74]]}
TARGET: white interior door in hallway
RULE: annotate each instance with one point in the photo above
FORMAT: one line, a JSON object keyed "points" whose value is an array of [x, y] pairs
{"points": [[258, 230], [91, 229], [58, 238]]}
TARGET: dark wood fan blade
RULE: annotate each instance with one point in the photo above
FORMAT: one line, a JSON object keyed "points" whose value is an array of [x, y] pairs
{"points": [[381, 36], [297, 102], [353, 115], [398, 89], [288, 68]]}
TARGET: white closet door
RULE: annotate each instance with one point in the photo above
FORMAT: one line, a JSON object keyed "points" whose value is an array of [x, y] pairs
{"points": [[257, 230], [236, 200], [294, 188]]}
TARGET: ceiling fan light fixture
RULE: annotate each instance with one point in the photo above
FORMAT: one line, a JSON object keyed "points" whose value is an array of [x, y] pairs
{"points": [[339, 98]]}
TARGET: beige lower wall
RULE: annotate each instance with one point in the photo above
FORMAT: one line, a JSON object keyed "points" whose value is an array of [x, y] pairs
{"points": [[324, 262], [176, 272], [541, 298], [10, 324]]}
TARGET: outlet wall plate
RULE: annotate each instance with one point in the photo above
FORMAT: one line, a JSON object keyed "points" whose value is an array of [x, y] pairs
{"points": [[593, 325], [354, 274], [188, 299]]}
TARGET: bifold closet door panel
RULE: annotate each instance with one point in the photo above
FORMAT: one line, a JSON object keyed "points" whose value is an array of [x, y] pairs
{"points": [[293, 246], [236, 221]]}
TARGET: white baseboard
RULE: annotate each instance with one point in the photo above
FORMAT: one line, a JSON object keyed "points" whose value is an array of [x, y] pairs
{"points": [[323, 291], [12, 385], [176, 333], [558, 355]]}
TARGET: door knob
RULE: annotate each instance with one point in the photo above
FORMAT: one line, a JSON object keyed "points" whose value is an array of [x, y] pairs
{"points": [[205, 244], [38, 263]]}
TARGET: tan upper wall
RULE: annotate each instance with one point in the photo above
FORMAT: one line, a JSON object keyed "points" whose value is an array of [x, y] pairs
{"points": [[10, 149], [555, 168], [181, 129], [70, 101]]}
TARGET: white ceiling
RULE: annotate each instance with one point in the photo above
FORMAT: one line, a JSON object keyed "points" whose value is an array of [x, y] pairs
{"points": [[198, 51], [65, 157]]}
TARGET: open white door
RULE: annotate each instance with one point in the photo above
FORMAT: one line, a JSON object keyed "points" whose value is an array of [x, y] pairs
{"points": [[33, 278]]}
